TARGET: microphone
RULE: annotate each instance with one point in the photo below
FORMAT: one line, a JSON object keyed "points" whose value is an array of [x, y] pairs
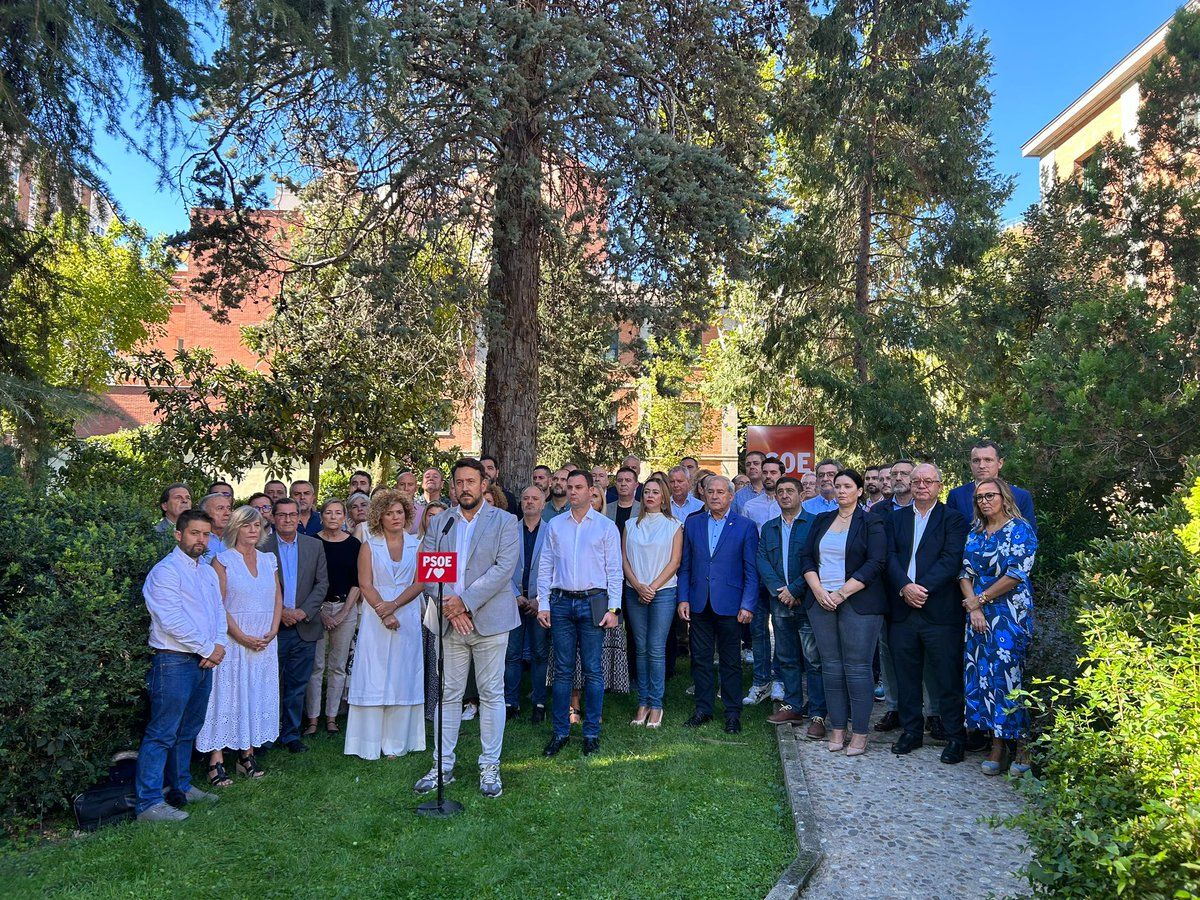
{"points": [[449, 525]]}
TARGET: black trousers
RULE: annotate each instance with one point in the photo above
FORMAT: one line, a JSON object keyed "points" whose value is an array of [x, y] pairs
{"points": [[921, 647], [710, 630], [296, 658]]}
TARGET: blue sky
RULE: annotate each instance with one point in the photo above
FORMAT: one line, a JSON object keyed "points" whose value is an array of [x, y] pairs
{"points": [[1045, 54]]}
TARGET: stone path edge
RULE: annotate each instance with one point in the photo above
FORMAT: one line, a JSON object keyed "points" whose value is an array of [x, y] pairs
{"points": [[791, 883]]}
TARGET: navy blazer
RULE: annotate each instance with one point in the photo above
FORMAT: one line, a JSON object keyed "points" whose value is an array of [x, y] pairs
{"points": [[538, 541], [939, 560], [770, 555], [728, 581], [962, 499], [866, 558]]}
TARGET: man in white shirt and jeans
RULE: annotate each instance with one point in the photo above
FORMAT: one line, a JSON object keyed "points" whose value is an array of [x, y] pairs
{"points": [[579, 570], [188, 634]]}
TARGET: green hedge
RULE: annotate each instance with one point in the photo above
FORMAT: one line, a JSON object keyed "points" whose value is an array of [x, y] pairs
{"points": [[1116, 810]]}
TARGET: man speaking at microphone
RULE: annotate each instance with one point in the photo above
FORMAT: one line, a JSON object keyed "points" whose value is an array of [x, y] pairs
{"points": [[479, 610]]}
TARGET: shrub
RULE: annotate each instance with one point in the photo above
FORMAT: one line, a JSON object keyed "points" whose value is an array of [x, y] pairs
{"points": [[1117, 808], [133, 459]]}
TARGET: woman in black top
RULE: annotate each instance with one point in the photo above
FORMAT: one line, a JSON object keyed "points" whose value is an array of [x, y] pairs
{"points": [[338, 615]]}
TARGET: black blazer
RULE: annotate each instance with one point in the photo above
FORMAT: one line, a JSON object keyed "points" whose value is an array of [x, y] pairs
{"points": [[939, 560], [866, 558]]}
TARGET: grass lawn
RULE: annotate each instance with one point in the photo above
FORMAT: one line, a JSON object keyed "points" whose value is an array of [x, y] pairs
{"points": [[672, 813]]}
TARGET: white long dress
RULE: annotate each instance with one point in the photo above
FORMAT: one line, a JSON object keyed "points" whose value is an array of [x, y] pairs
{"points": [[387, 691], [243, 707]]}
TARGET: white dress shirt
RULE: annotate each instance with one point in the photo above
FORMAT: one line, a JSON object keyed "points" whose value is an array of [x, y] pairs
{"points": [[920, 521], [463, 532], [580, 556], [184, 599], [761, 509]]}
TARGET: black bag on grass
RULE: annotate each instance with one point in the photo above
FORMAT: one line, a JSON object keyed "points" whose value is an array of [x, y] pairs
{"points": [[108, 803]]}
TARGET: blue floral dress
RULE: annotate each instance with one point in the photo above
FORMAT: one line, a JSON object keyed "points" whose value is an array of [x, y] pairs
{"points": [[995, 659]]}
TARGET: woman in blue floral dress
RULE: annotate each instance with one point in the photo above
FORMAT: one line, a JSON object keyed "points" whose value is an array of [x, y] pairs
{"points": [[998, 598]]}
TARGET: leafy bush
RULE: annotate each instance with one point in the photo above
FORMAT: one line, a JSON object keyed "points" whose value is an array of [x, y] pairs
{"points": [[135, 460], [73, 627], [1117, 809]]}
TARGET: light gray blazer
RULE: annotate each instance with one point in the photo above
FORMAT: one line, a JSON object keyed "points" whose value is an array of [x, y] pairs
{"points": [[489, 566], [610, 510]]}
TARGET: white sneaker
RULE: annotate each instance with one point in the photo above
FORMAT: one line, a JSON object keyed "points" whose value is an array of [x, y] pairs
{"points": [[691, 690], [748, 657], [428, 781], [489, 781], [758, 693], [470, 711], [777, 690]]}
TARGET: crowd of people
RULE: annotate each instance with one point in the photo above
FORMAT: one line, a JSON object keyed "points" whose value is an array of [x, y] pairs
{"points": [[839, 589]]}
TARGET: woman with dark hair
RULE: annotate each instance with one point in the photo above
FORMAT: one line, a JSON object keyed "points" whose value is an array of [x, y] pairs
{"points": [[339, 615], [843, 565], [998, 598]]}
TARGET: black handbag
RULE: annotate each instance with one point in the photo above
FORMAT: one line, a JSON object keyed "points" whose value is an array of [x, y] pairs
{"points": [[107, 803]]}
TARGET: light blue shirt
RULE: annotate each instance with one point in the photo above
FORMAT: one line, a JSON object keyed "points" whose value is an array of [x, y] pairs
{"points": [[742, 497], [715, 527], [818, 504], [785, 532], [682, 510], [289, 562], [215, 547]]}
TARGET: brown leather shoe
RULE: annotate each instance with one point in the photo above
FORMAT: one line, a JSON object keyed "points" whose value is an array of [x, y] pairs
{"points": [[784, 715], [816, 729]]}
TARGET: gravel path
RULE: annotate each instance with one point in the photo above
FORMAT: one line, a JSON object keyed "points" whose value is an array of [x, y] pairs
{"points": [[908, 826]]}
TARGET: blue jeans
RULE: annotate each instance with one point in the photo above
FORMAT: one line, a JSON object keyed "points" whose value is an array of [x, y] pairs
{"points": [[296, 659], [650, 623], [179, 691], [572, 632], [796, 648], [539, 652], [846, 641]]}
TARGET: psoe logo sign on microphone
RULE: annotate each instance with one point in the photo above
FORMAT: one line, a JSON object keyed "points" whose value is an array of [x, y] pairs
{"points": [[437, 567]]}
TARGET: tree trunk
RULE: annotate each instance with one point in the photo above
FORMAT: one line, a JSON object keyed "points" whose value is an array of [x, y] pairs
{"points": [[866, 206], [510, 388], [316, 455]]}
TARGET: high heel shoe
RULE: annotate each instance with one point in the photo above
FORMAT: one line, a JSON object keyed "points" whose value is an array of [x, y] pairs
{"points": [[640, 717], [857, 749], [836, 743], [248, 766], [651, 723]]}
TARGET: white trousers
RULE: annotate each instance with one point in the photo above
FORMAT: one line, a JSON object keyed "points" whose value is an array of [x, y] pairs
{"points": [[488, 654]]}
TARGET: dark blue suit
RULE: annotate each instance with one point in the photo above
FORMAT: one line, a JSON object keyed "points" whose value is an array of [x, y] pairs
{"points": [[962, 500], [716, 587], [795, 645], [928, 641], [529, 631]]}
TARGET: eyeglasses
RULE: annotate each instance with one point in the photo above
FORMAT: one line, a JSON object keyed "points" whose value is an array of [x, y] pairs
{"points": [[920, 481], [986, 498], [287, 515]]}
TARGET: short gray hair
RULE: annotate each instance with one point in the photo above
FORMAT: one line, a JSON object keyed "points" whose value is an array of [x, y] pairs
{"points": [[243, 515], [207, 498], [671, 471], [715, 478]]}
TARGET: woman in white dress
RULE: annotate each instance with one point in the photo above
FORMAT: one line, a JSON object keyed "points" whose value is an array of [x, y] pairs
{"points": [[243, 707], [386, 683]]}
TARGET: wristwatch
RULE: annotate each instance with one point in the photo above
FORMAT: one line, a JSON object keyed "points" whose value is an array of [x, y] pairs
{"points": [[615, 610]]}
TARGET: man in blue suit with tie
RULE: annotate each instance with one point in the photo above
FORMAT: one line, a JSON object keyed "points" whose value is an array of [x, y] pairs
{"points": [[986, 462], [718, 593]]}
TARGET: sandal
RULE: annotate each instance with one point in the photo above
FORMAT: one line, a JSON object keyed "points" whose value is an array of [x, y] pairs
{"points": [[217, 776], [331, 727], [248, 766], [651, 722], [311, 728]]}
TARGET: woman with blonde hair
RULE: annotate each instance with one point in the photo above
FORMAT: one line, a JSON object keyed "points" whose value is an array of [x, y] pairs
{"points": [[243, 707], [998, 598], [386, 683]]}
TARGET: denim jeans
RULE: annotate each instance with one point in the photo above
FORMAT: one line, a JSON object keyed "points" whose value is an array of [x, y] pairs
{"points": [[766, 664], [572, 632], [846, 641], [179, 691], [650, 623], [539, 652], [798, 655]]}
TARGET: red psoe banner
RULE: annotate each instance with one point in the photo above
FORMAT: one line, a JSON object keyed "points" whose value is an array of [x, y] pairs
{"points": [[437, 567], [795, 445]]}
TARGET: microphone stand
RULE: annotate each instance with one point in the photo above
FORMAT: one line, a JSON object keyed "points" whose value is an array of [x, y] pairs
{"points": [[441, 808]]}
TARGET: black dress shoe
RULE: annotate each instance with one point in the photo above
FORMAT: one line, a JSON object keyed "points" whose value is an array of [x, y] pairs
{"points": [[539, 715], [907, 743], [954, 752], [937, 733], [889, 721], [977, 742], [511, 712], [297, 746], [697, 720], [590, 746], [733, 726], [556, 744]]}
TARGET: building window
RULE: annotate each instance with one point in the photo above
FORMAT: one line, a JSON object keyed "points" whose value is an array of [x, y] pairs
{"points": [[444, 418]]}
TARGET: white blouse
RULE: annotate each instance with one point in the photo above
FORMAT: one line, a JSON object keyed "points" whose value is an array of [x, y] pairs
{"points": [[648, 545], [832, 568]]}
